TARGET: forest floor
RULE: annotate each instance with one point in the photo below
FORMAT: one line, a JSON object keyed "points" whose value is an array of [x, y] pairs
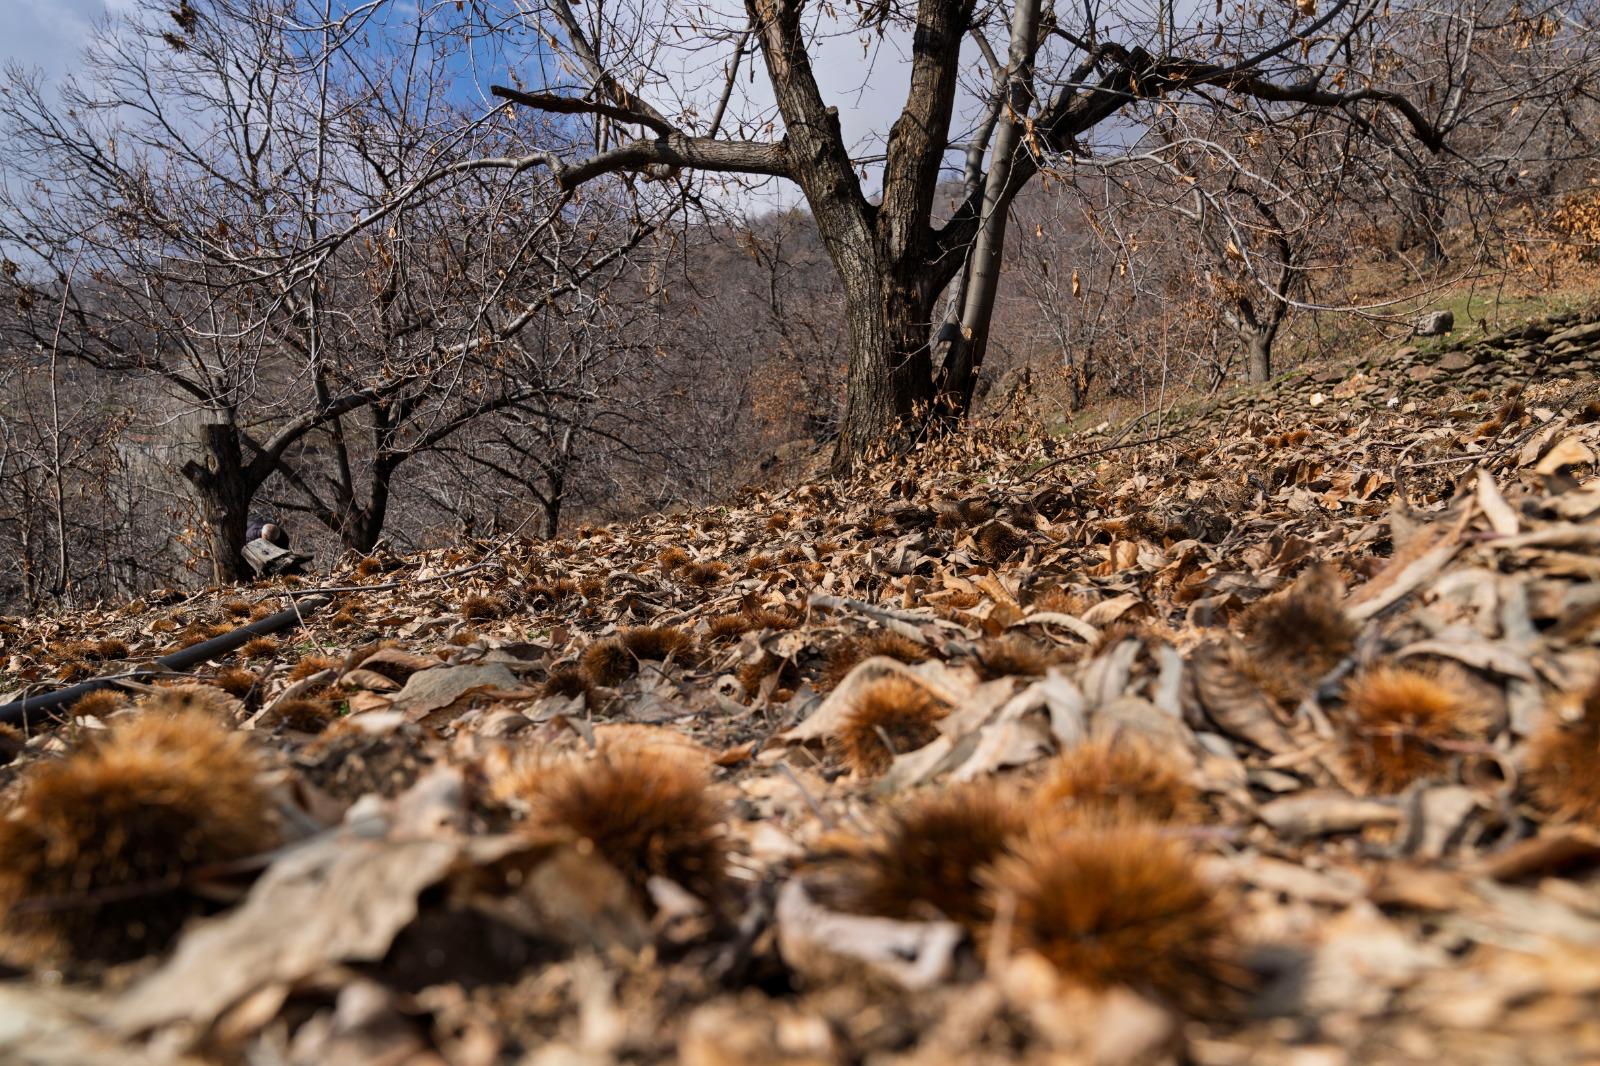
{"points": [[1272, 739]]}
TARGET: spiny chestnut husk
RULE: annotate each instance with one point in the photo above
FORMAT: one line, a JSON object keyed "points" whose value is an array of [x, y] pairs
{"points": [[94, 860], [845, 653], [649, 811], [930, 857], [1013, 656], [890, 716], [1296, 636], [1400, 725], [1120, 778], [1112, 905], [1563, 757]]}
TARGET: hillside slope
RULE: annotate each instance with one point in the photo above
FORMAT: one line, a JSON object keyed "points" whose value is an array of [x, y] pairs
{"points": [[1270, 741]]}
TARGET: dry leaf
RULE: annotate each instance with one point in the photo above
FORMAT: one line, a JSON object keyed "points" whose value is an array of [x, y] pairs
{"points": [[1234, 703], [825, 946], [437, 688], [1572, 451]]}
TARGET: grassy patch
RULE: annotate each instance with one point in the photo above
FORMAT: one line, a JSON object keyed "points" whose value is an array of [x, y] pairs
{"points": [[1480, 310], [1480, 314]]}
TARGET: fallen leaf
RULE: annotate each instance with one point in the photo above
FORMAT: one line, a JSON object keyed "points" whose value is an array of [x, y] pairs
{"points": [[1315, 814], [337, 899], [1560, 851], [1502, 519], [826, 946], [1571, 451], [1234, 702], [430, 690]]}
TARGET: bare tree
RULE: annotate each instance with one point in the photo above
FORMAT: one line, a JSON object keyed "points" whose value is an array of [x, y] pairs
{"points": [[1513, 85], [64, 506], [1096, 69], [177, 203], [1275, 202]]}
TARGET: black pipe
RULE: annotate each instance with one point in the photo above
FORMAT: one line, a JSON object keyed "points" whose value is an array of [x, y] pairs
{"points": [[17, 713]]}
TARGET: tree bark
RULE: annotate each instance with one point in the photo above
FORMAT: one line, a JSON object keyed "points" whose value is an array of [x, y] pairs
{"points": [[558, 484], [882, 253], [889, 384], [1260, 356], [223, 489], [966, 346]]}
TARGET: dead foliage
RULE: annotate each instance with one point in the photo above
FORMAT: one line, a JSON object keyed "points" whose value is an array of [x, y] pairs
{"points": [[1270, 741]]}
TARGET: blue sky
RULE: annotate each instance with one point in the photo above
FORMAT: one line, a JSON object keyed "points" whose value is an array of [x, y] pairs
{"points": [[863, 75], [49, 34]]}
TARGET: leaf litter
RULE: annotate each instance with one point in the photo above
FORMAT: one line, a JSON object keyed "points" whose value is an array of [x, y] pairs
{"points": [[1274, 742]]}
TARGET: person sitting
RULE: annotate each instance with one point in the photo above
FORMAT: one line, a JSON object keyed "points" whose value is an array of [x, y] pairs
{"points": [[267, 529], [266, 549]]}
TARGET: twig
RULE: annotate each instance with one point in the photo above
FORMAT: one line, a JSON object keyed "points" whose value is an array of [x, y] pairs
{"points": [[1476, 457], [805, 793], [491, 556], [1092, 452], [884, 614]]}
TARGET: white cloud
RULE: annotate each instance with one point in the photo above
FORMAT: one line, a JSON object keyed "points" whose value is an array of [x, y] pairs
{"points": [[50, 35]]}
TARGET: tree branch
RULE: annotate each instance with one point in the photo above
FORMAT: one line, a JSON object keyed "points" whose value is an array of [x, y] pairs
{"points": [[921, 135], [589, 56], [678, 150], [819, 159], [1183, 74], [566, 105]]}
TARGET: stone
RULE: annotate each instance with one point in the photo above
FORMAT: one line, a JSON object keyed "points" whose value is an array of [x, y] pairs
{"points": [[1457, 361], [1435, 324], [1577, 335]]}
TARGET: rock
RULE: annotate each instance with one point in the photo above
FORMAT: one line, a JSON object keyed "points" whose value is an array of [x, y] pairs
{"points": [[1457, 361], [1577, 335], [1435, 324]]}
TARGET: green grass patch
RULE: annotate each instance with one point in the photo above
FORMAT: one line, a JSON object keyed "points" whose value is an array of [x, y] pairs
{"points": [[1484, 313]]}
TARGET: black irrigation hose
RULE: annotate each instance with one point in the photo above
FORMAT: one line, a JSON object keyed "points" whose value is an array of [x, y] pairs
{"points": [[18, 712]]}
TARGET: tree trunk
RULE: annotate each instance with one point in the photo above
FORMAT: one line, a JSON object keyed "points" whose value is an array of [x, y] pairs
{"points": [[889, 387], [558, 484], [223, 491], [360, 531], [30, 590], [226, 513], [885, 253], [963, 355], [1259, 348], [1423, 225]]}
